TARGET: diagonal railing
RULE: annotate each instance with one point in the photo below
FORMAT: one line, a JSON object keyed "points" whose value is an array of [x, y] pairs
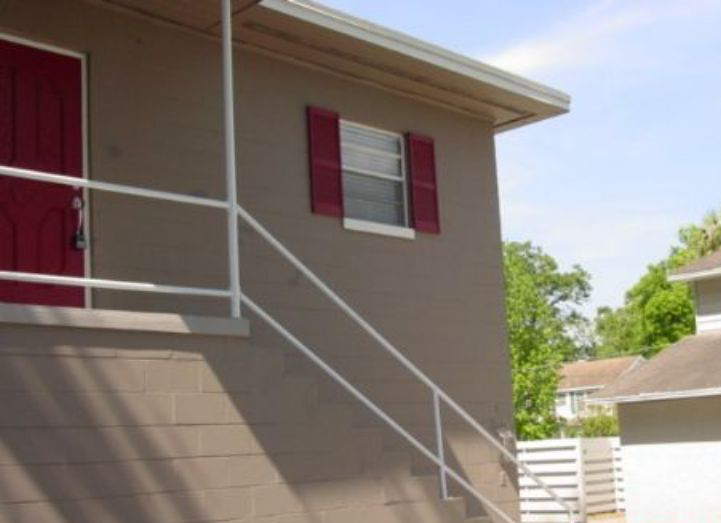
{"points": [[440, 397]]}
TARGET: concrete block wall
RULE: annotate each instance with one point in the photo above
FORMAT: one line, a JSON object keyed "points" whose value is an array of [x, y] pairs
{"points": [[179, 428]]}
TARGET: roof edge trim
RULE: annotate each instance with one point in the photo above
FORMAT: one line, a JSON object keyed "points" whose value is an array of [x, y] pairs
{"points": [[657, 396], [695, 275], [414, 48]]}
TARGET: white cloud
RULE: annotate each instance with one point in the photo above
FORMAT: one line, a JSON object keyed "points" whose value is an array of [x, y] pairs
{"points": [[591, 37]]}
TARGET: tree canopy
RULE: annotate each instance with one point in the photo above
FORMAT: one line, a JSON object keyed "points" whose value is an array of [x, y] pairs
{"points": [[546, 327], [656, 312], [542, 308]]}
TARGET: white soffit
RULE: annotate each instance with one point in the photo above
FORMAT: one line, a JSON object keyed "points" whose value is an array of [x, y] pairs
{"points": [[200, 15], [307, 32], [328, 38]]}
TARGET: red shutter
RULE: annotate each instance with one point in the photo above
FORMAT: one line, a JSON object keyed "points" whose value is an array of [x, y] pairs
{"points": [[325, 167], [424, 190]]}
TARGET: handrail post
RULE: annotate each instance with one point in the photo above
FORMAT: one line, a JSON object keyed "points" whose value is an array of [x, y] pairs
{"points": [[230, 166], [439, 443]]}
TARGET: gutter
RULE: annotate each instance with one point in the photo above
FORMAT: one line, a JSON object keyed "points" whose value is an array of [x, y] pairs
{"points": [[657, 396]]}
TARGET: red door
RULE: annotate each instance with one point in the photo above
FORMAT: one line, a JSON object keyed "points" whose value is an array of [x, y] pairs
{"points": [[41, 129]]}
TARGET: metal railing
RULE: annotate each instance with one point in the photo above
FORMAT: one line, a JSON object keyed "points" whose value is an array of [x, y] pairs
{"points": [[439, 396], [95, 283]]}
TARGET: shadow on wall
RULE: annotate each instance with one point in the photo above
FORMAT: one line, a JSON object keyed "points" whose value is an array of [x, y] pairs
{"points": [[110, 426], [100, 426]]}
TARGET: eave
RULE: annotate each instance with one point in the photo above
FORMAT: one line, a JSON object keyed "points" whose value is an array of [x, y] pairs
{"points": [[695, 276], [657, 396], [323, 38]]}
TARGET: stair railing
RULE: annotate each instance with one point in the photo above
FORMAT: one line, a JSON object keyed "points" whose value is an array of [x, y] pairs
{"points": [[440, 397]]}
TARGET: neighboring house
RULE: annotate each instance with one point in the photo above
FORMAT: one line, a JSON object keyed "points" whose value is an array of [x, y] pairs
{"points": [[670, 416], [580, 379], [134, 387]]}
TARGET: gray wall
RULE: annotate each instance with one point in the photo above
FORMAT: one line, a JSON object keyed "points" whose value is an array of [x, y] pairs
{"points": [[155, 121]]}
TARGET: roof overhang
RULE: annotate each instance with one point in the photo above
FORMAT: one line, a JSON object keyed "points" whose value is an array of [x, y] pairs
{"points": [[578, 389], [306, 32], [695, 276], [657, 396]]}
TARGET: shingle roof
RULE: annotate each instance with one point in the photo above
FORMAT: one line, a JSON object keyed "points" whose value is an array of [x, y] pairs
{"points": [[692, 364], [596, 373], [707, 263]]}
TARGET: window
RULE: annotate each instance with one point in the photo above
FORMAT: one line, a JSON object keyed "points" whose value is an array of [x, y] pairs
{"points": [[374, 175], [578, 399], [374, 180]]}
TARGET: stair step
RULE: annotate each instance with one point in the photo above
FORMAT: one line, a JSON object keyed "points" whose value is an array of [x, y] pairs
{"points": [[411, 488], [390, 465], [457, 507], [369, 442], [408, 482]]}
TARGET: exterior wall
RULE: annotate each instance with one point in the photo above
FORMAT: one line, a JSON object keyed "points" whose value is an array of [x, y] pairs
{"points": [[155, 121], [708, 304], [111, 427], [671, 457]]}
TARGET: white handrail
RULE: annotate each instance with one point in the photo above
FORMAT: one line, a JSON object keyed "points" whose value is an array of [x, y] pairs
{"points": [[61, 179], [439, 394], [119, 285], [398, 355], [259, 311], [116, 188]]}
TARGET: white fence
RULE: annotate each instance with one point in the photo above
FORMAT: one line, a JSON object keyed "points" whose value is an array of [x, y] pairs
{"points": [[587, 473]]}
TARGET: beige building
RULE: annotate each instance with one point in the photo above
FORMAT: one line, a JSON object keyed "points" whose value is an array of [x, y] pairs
{"points": [[134, 384], [670, 416], [580, 379]]}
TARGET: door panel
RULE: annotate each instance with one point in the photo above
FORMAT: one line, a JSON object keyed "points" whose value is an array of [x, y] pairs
{"points": [[41, 129]]}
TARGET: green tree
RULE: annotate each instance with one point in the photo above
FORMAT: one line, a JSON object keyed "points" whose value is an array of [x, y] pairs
{"points": [[697, 240], [542, 307], [597, 425], [656, 312]]}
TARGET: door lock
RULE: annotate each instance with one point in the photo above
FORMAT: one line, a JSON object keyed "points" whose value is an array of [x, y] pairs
{"points": [[80, 242]]}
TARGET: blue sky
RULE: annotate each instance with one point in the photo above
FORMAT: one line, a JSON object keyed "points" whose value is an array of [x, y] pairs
{"points": [[608, 185]]}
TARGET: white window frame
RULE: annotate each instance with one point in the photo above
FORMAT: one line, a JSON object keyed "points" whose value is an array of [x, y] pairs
{"points": [[355, 224]]}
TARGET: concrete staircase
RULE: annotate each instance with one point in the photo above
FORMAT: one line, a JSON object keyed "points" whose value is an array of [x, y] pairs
{"points": [[117, 427], [407, 486]]}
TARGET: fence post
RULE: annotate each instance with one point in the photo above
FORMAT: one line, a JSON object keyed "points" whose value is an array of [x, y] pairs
{"points": [[581, 480]]}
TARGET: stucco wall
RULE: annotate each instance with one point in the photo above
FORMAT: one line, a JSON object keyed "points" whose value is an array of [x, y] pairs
{"points": [[671, 458], [155, 121]]}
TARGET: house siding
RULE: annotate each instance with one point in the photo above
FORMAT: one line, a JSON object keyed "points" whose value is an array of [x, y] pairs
{"points": [[671, 457], [155, 120]]}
